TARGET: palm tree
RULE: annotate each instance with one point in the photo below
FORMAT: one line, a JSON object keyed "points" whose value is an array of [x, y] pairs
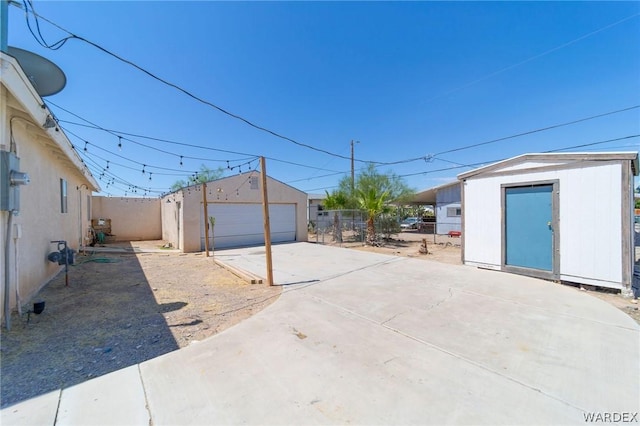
{"points": [[337, 200], [372, 202]]}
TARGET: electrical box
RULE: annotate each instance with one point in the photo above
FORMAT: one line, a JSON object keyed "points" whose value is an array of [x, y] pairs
{"points": [[9, 194]]}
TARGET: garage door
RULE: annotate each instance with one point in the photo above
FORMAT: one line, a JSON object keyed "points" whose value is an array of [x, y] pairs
{"points": [[242, 224]]}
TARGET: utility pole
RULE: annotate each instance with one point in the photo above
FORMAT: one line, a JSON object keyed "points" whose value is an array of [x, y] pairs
{"points": [[353, 178], [206, 218], [267, 226]]}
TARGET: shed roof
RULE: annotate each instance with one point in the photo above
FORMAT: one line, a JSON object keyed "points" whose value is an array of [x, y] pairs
{"points": [[556, 158]]}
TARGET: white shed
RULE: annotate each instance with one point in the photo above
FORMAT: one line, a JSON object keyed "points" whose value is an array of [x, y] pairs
{"points": [[565, 217], [236, 204]]}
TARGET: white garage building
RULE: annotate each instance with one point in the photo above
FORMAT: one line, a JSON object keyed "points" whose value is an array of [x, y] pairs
{"points": [[236, 204], [566, 217]]}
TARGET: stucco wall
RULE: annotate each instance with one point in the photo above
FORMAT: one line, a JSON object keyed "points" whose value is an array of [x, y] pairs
{"points": [[131, 218], [40, 219], [171, 217], [233, 189], [590, 221], [47, 156]]}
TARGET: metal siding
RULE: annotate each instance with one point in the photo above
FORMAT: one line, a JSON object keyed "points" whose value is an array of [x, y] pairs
{"points": [[447, 197], [590, 223], [589, 211], [242, 224], [482, 222]]}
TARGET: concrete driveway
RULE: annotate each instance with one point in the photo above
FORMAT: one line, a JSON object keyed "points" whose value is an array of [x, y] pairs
{"points": [[364, 338]]}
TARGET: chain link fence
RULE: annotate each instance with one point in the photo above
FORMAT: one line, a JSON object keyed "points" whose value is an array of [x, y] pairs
{"points": [[338, 226], [350, 226]]}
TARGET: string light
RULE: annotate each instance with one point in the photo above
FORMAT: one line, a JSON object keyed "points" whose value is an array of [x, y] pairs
{"points": [[119, 143]]}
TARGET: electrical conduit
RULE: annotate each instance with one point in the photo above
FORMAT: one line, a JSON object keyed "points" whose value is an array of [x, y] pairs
{"points": [[7, 274]]}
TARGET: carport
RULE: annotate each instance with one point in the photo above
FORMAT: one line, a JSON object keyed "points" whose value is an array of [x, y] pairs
{"points": [[446, 202]]}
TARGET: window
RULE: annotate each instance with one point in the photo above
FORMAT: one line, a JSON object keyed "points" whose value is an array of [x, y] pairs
{"points": [[89, 207], [454, 211], [63, 196], [253, 181]]}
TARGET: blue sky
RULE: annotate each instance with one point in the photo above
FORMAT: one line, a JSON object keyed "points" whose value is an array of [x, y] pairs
{"points": [[406, 79]]}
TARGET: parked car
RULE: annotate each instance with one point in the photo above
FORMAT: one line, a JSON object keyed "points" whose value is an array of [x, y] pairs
{"points": [[410, 223]]}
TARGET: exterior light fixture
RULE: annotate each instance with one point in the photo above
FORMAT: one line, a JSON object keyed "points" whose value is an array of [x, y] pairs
{"points": [[49, 123]]}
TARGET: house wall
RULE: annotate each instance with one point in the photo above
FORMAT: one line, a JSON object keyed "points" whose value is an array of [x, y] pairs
{"points": [[131, 218], [590, 224], [312, 213], [233, 189], [445, 198], [40, 219], [172, 218], [47, 156]]}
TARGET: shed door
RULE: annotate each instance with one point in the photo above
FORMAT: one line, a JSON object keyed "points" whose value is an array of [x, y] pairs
{"points": [[529, 227], [242, 224]]}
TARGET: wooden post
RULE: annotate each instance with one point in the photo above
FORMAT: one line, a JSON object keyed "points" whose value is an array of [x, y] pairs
{"points": [[206, 218], [267, 227]]}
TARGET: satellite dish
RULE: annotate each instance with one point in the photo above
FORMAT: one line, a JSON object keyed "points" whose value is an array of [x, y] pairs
{"points": [[47, 78]]}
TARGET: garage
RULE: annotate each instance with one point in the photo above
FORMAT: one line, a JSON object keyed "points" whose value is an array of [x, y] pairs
{"points": [[236, 204], [238, 225]]}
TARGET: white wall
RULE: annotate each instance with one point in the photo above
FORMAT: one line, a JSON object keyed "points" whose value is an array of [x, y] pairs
{"points": [[590, 222]]}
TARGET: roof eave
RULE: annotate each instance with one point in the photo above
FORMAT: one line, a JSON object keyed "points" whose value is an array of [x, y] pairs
{"points": [[13, 77], [552, 157]]}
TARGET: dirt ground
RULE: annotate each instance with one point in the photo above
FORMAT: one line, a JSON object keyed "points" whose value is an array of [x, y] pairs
{"points": [[122, 308]]}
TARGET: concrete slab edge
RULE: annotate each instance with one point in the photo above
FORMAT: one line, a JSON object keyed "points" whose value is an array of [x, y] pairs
{"points": [[247, 276]]}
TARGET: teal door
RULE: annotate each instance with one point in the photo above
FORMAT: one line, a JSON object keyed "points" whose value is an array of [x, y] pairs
{"points": [[528, 227]]}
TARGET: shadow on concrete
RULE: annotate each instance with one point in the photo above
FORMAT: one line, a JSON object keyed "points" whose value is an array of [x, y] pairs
{"points": [[105, 320]]}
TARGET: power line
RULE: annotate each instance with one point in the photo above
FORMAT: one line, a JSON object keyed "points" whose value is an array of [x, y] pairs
{"points": [[246, 121], [121, 134], [378, 163], [530, 132], [594, 143], [175, 86], [458, 166]]}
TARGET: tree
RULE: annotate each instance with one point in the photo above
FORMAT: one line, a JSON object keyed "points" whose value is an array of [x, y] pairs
{"points": [[373, 193], [369, 178], [373, 203], [204, 175], [337, 200]]}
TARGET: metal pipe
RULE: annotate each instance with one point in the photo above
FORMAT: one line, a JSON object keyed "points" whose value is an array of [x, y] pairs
{"points": [[7, 274], [16, 260]]}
